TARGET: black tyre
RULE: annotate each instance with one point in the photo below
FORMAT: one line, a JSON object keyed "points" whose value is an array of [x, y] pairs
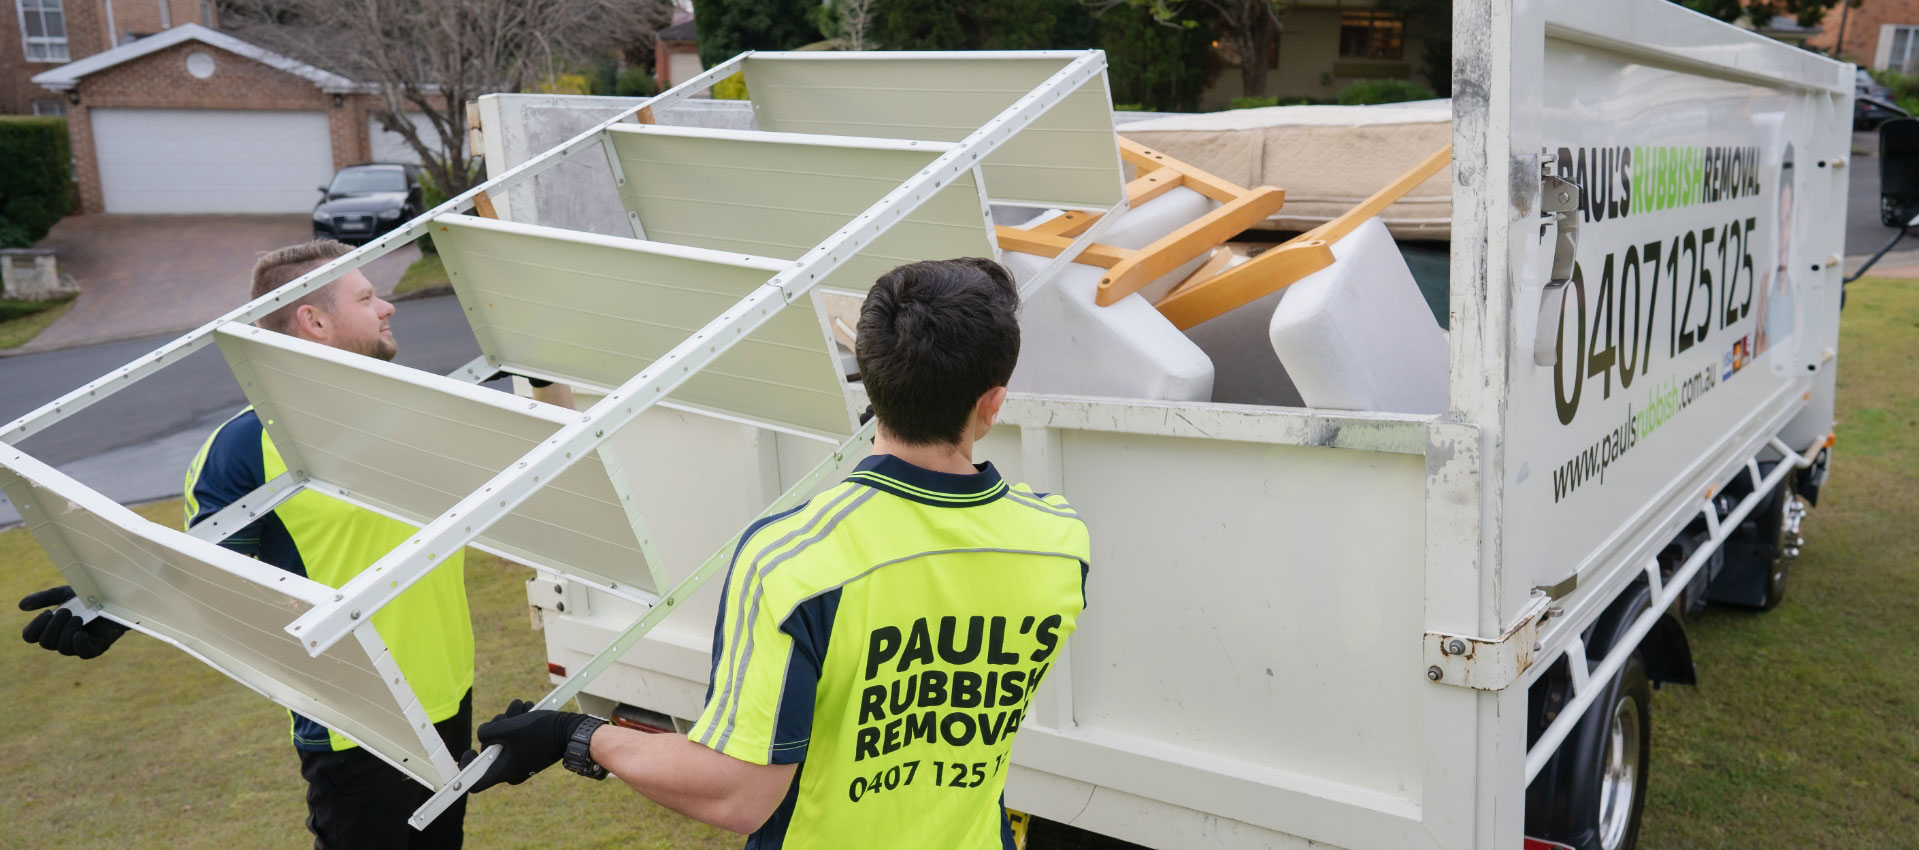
{"points": [[1756, 555], [1600, 772], [1776, 578]]}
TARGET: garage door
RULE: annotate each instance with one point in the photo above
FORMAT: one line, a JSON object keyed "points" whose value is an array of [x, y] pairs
{"points": [[389, 146], [211, 161]]}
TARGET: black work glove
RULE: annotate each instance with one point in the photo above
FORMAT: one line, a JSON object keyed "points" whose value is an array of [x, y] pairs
{"points": [[533, 741], [59, 630]]}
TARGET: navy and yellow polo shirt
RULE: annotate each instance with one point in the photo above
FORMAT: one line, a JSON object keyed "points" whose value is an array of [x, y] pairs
{"points": [[888, 636], [426, 629]]}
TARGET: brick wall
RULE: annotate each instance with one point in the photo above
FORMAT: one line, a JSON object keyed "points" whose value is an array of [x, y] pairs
{"points": [[85, 36], [1862, 28], [160, 81]]}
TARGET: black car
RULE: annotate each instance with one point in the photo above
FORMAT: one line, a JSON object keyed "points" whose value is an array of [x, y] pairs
{"points": [[1868, 113], [364, 201]]}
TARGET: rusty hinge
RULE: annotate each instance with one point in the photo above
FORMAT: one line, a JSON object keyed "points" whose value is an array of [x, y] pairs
{"points": [[1488, 664]]}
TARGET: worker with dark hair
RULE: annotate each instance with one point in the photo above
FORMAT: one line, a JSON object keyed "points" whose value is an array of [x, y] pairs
{"points": [[877, 647]]}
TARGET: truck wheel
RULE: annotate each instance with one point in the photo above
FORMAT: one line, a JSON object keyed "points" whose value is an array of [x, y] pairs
{"points": [[1599, 775], [1759, 553], [1628, 742], [1782, 550]]}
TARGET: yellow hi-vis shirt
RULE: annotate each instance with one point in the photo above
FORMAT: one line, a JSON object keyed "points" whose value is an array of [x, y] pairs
{"points": [[887, 636], [427, 629]]}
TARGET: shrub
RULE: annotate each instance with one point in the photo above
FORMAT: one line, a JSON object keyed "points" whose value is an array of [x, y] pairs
{"points": [[635, 81], [731, 88], [1898, 82], [1251, 102], [36, 184], [1367, 92], [565, 84], [601, 76], [431, 196]]}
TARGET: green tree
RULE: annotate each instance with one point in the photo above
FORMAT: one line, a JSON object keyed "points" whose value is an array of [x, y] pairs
{"points": [[1157, 66], [921, 25], [728, 27], [1806, 12], [1249, 26], [983, 25], [1033, 24], [1430, 24]]}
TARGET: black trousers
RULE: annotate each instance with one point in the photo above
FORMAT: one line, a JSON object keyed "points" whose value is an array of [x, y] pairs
{"points": [[355, 801]]}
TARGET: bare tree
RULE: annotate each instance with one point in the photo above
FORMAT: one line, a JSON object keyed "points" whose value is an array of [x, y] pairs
{"points": [[429, 57], [635, 26], [848, 23], [1247, 26], [856, 21]]}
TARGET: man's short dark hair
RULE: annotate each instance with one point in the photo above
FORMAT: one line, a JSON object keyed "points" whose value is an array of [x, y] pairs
{"points": [[934, 336]]}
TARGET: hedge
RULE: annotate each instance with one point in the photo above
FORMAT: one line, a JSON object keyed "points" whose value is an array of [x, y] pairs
{"points": [[36, 186], [1367, 92]]}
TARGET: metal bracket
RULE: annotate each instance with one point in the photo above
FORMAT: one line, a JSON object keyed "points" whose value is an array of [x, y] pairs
{"points": [[1559, 199], [1488, 664]]}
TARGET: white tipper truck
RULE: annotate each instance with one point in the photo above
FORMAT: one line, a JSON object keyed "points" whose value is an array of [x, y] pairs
{"points": [[1366, 629]]}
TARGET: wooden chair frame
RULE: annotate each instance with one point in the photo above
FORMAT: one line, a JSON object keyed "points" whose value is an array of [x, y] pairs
{"points": [[1130, 271], [1203, 298]]}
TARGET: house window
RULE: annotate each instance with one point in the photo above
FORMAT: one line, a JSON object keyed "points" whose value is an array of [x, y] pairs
{"points": [[43, 29], [1905, 49], [1371, 35], [50, 107]]}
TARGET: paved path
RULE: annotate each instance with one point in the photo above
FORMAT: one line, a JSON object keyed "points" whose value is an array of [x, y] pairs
{"points": [[135, 445], [141, 275]]}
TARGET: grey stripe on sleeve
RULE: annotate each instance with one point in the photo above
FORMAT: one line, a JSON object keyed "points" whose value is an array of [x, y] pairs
{"points": [[739, 617], [738, 678]]}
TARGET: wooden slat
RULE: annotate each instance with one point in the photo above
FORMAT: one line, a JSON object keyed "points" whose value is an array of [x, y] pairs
{"points": [[1140, 156], [1151, 185], [646, 115], [1192, 178], [1278, 268], [1047, 245], [1069, 224], [1218, 262], [483, 204], [1170, 251]]}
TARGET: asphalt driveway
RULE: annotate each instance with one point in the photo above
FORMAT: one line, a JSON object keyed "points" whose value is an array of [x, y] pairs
{"points": [[141, 275]]}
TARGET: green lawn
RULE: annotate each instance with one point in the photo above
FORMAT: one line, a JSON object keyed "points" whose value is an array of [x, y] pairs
{"points": [[1804, 732], [1804, 729], [145, 747], [21, 321], [427, 271]]}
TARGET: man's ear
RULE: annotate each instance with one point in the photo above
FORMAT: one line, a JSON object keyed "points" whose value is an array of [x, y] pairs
{"points": [[309, 322], [986, 410]]}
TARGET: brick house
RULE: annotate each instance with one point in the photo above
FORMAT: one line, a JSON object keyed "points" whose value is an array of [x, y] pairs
{"points": [[39, 35], [1880, 34], [1323, 46], [676, 52], [194, 120]]}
